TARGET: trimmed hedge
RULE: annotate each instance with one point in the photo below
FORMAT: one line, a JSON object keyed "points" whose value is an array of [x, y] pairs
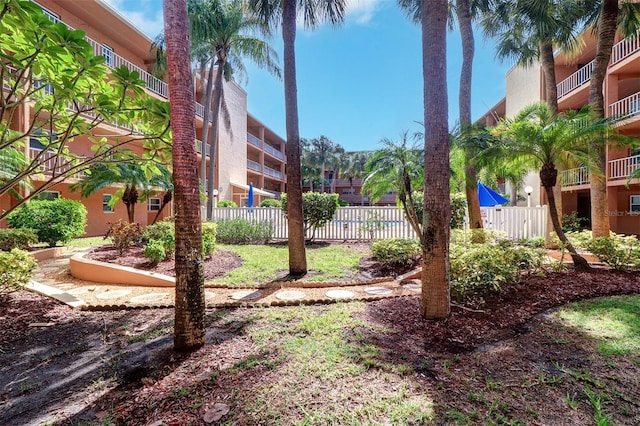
{"points": [[16, 269], [20, 238]]}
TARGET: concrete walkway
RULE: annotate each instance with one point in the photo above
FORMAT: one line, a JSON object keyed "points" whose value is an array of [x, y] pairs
{"points": [[53, 279]]}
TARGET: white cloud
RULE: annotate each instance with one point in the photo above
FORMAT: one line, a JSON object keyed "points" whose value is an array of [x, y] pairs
{"points": [[146, 15], [362, 11]]}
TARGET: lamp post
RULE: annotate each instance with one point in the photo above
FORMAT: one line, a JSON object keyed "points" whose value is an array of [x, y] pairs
{"points": [[528, 189], [215, 198]]}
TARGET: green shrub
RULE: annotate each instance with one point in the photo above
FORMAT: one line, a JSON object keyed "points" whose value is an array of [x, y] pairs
{"points": [[124, 234], [572, 222], [20, 238], [164, 232], [458, 208], [227, 203], [154, 251], [243, 231], [53, 221], [617, 251], [317, 209], [396, 252], [16, 268], [459, 236], [209, 233], [479, 270], [537, 242], [579, 239], [270, 202]]}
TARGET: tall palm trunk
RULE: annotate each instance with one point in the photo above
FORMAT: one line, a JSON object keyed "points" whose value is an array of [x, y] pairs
{"points": [[322, 173], [189, 328], [607, 24], [463, 12], [213, 137], [548, 178], [205, 126], [549, 70], [435, 303], [297, 250]]}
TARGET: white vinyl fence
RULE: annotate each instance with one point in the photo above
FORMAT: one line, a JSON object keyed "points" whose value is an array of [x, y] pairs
{"points": [[372, 222]]}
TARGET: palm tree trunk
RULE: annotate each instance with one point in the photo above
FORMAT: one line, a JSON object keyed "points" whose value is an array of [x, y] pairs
{"points": [[166, 199], [549, 71], [297, 250], [607, 24], [548, 177], [322, 173], [189, 328], [213, 137], [205, 126], [435, 302]]}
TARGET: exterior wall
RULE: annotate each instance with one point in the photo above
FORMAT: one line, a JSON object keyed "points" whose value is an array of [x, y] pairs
{"points": [[524, 87], [232, 147]]}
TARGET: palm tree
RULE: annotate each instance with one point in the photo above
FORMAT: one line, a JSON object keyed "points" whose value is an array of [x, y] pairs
{"points": [[309, 169], [224, 31], [609, 16], [189, 327], [434, 238], [136, 185], [325, 152], [285, 12], [548, 140]]}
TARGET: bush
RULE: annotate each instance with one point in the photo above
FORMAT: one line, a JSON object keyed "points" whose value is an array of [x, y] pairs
{"points": [[242, 231], [396, 252], [481, 269], [227, 203], [458, 208], [209, 231], [124, 234], [572, 223], [317, 210], [154, 251], [20, 238], [537, 242], [617, 251], [53, 221], [16, 268], [163, 232], [270, 202]]}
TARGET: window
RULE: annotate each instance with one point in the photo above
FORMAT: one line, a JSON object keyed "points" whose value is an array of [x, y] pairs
{"points": [[348, 191], [106, 199], [47, 195], [634, 204], [107, 52], [154, 204]]}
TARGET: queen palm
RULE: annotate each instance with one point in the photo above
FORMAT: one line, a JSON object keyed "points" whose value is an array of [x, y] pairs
{"points": [[609, 16], [546, 140], [286, 12], [189, 327], [224, 31]]}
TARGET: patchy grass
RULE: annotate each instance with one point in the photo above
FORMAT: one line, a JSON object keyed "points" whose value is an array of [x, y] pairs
{"points": [[614, 323], [89, 242], [265, 263]]}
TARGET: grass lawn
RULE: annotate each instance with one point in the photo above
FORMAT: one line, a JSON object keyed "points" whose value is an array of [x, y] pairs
{"points": [[265, 263]]}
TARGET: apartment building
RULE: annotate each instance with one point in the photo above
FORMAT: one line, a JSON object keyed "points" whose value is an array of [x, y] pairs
{"points": [[622, 101], [248, 152]]}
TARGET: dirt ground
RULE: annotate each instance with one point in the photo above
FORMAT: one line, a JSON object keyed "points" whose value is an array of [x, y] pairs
{"points": [[64, 366]]}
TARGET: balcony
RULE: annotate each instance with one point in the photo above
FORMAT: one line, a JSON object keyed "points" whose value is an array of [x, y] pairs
{"points": [[199, 147], [625, 108], [113, 60], [51, 164], [273, 152], [268, 171], [624, 49], [574, 177], [254, 140], [575, 80], [622, 168], [254, 165]]}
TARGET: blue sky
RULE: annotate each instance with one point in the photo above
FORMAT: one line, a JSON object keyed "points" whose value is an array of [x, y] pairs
{"points": [[359, 82]]}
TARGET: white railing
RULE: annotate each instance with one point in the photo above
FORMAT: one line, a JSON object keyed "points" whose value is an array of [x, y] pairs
{"points": [[199, 147], [52, 164], [254, 165], [575, 80], [370, 223], [572, 177], [623, 167], [625, 108], [254, 140], [273, 173], [273, 152], [624, 49]]}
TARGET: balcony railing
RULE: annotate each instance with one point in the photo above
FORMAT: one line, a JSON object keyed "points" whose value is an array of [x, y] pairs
{"points": [[268, 171], [623, 167], [273, 152], [153, 84], [254, 165], [625, 48], [254, 140], [573, 177], [52, 164], [199, 147], [627, 107], [575, 80]]}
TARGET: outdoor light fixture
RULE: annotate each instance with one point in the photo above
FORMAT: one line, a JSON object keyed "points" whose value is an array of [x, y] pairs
{"points": [[528, 189]]}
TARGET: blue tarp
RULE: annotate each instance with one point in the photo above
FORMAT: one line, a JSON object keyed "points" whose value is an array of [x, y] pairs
{"points": [[488, 197], [250, 196]]}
